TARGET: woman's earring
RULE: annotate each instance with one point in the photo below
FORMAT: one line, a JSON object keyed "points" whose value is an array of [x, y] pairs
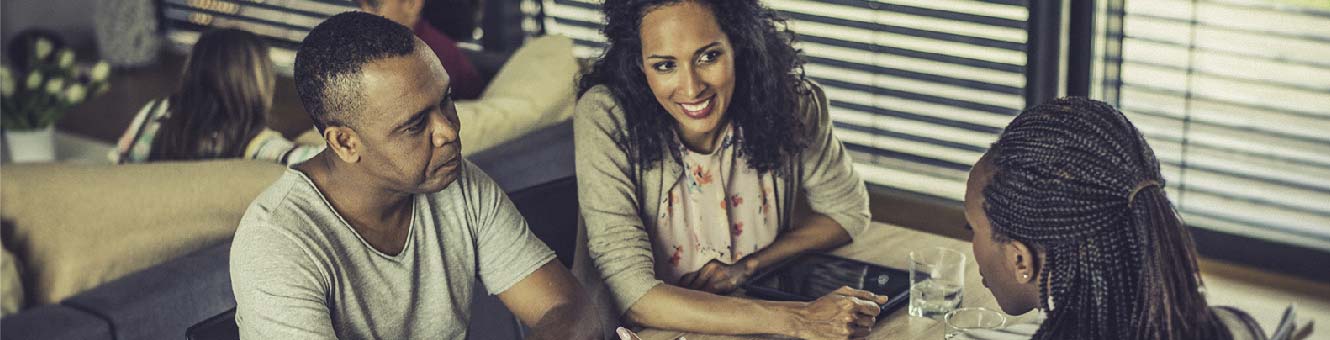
{"points": [[1025, 276]]}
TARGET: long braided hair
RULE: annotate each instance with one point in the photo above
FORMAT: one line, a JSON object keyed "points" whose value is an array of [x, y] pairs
{"points": [[1076, 180]]}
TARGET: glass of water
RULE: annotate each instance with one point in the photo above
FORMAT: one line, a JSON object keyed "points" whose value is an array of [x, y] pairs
{"points": [[963, 323], [936, 278]]}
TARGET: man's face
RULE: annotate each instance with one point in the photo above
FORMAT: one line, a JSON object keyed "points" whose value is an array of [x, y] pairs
{"points": [[409, 129], [405, 12]]}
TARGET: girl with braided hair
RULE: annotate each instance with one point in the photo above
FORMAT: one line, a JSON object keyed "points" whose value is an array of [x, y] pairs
{"points": [[1070, 216]]}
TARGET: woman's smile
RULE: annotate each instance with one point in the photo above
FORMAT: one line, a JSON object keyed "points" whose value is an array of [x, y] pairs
{"points": [[698, 110]]}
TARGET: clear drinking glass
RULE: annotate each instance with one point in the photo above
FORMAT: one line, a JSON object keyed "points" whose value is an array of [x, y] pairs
{"points": [[965, 321], [936, 278]]}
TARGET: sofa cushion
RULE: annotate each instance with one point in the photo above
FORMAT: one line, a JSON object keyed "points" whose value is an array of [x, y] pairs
{"points": [[542, 156], [77, 226], [534, 90], [162, 302], [54, 322]]}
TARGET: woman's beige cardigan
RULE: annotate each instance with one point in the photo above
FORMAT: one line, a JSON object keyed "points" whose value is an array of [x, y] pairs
{"points": [[616, 196]]}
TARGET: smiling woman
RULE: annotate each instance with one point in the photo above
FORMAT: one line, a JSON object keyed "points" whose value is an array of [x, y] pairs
{"points": [[694, 84], [758, 70], [694, 134]]}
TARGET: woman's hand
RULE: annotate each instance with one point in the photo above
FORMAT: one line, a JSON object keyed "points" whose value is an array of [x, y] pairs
{"points": [[846, 313], [625, 334], [717, 277]]}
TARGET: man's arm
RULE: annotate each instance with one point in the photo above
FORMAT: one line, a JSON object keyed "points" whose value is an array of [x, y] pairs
{"points": [[278, 290], [553, 304], [523, 271]]}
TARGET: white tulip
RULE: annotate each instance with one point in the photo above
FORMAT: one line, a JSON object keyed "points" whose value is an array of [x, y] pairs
{"points": [[55, 86], [34, 80], [6, 81], [101, 71], [42, 48], [65, 58], [75, 93]]}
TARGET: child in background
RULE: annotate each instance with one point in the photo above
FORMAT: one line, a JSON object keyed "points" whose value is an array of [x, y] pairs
{"points": [[220, 109]]}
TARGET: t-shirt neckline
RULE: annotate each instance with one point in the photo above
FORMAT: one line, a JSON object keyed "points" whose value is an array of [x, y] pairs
{"points": [[411, 227]]}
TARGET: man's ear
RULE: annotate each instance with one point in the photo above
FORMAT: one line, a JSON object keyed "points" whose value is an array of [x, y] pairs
{"points": [[344, 142], [1021, 259]]}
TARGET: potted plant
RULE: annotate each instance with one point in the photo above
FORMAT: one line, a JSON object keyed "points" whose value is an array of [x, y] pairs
{"points": [[37, 91]]}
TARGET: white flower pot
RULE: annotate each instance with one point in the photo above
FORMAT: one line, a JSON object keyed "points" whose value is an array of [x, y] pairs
{"points": [[31, 146]]}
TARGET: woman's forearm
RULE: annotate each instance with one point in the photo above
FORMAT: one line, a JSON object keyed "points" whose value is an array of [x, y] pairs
{"points": [[671, 307], [817, 232], [676, 308]]}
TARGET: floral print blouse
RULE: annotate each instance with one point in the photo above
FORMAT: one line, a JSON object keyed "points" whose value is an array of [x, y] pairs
{"points": [[721, 209]]}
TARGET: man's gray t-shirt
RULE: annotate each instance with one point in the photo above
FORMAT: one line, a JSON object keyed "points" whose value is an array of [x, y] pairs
{"points": [[299, 271]]}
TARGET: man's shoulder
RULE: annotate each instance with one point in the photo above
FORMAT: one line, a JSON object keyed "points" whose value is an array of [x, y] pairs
{"points": [[282, 193], [289, 206]]}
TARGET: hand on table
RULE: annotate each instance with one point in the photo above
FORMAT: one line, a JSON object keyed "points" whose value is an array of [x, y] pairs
{"points": [[846, 313], [718, 277]]}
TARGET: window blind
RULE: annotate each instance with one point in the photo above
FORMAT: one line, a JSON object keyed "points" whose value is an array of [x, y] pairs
{"points": [[918, 89], [284, 23], [1234, 96]]}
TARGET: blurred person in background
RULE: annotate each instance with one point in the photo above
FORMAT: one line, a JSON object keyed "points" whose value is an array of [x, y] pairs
{"points": [[220, 109], [467, 81], [459, 19]]}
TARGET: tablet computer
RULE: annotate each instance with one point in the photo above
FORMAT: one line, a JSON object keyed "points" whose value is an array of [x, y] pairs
{"points": [[810, 276]]}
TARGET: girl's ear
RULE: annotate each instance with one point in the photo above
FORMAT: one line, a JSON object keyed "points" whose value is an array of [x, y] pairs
{"points": [[1021, 259]]}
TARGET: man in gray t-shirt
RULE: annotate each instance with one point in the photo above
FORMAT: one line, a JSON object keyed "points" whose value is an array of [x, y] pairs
{"points": [[383, 234]]}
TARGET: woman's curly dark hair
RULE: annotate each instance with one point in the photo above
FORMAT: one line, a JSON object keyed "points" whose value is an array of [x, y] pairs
{"points": [[769, 81]]}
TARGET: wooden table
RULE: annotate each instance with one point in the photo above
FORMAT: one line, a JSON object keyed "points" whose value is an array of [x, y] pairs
{"points": [[890, 246]]}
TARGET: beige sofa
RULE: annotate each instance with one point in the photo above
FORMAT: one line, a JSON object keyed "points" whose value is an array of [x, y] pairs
{"points": [[73, 227]]}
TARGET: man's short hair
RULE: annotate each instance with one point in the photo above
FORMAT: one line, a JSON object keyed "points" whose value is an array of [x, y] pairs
{"points": [[328, 65]]}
